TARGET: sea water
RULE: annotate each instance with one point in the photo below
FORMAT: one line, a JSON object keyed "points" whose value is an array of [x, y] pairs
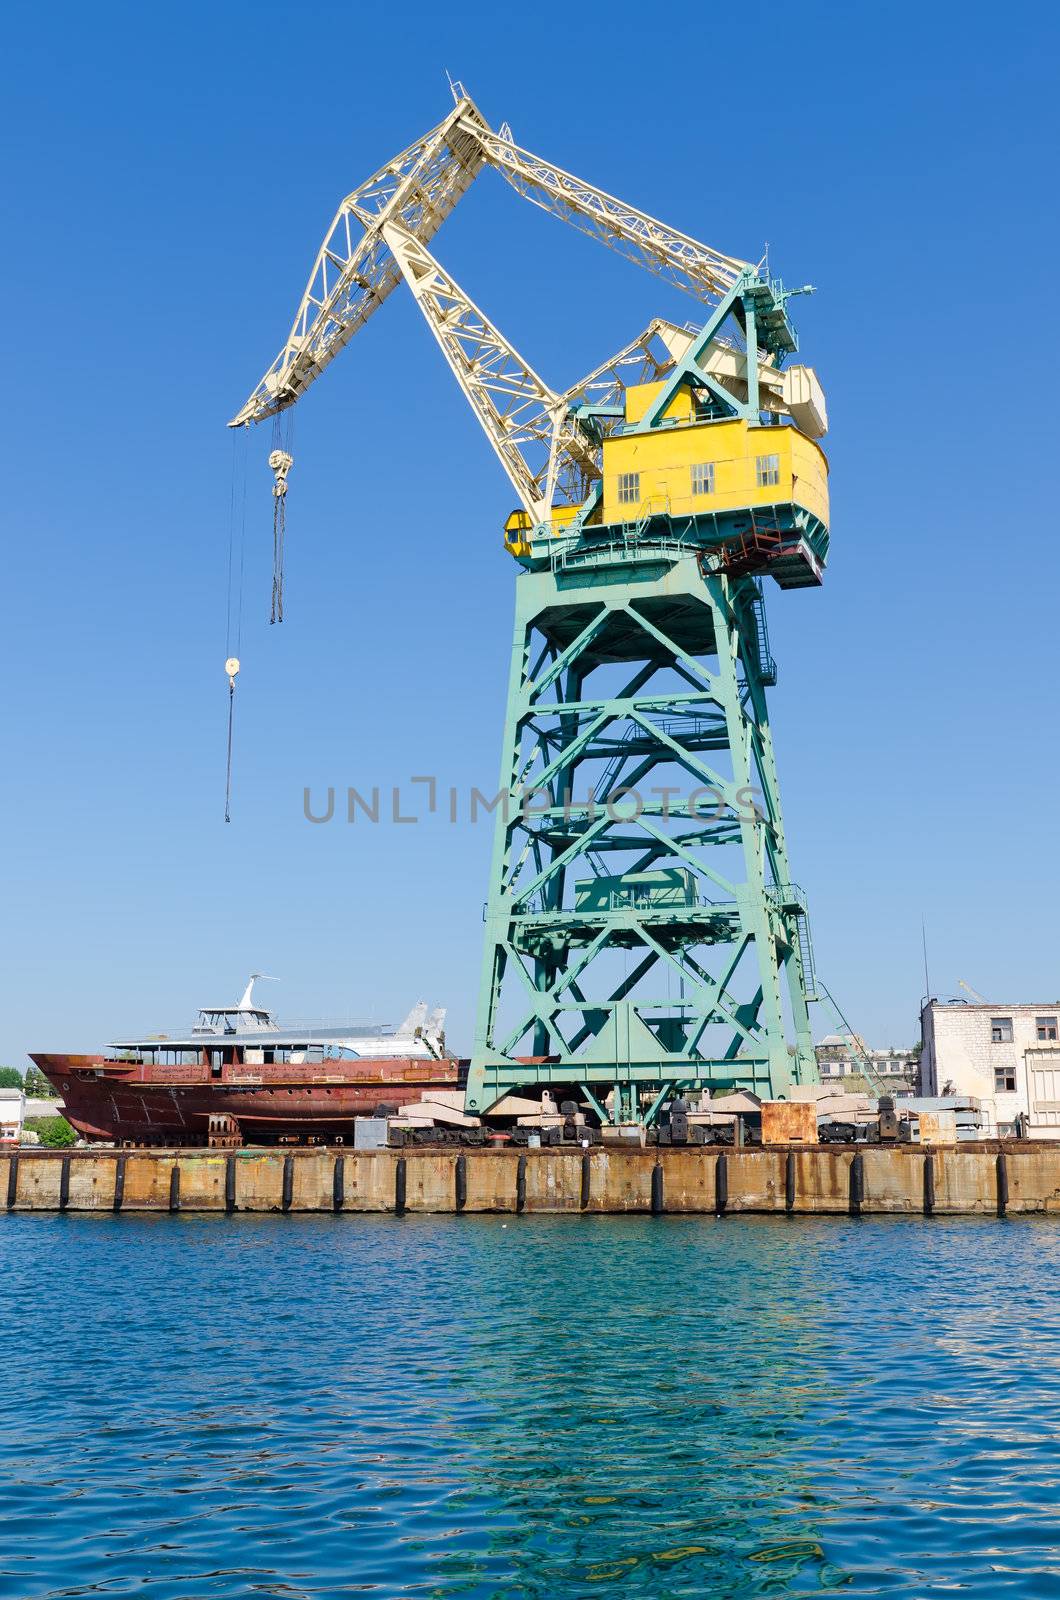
{"points": [[298, 1406]]}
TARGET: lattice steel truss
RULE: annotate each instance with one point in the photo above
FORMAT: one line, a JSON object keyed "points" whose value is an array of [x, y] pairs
{"points": [[642, 929], [530, 427], [355, 268]]}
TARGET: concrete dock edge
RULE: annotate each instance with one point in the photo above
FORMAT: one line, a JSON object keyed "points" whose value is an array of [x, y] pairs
{"points": [[985, 1180]]}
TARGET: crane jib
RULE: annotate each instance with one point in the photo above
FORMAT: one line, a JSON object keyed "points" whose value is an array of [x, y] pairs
{"points": [[408, 199]]}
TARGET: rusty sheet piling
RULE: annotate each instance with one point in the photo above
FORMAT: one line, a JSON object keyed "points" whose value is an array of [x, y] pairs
{"points": [[984, 1180]]}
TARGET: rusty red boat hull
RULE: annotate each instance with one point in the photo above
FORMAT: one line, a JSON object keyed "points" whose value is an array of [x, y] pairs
{"points": [[139, 1103]]}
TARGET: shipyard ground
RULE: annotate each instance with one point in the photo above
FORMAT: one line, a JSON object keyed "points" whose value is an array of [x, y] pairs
{"points": [[980, 1179]]}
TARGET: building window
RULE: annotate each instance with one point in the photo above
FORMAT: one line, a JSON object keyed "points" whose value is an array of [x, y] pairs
{"points": [[767, 471], [703, 477], [1004, 1080], [1000, 1030], [628, 488], [1046, 1029]]}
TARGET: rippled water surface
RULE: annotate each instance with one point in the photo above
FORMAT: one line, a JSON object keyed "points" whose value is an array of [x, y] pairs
{"points": [[317, 1406]]}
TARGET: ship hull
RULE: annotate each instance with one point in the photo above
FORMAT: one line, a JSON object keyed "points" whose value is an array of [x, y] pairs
{"points": [[134, 1103]]}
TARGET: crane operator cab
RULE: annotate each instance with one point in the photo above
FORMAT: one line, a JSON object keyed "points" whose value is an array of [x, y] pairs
{"points": [[692, 455]]}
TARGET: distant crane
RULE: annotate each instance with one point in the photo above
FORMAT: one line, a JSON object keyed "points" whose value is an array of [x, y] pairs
{"points": [[876, 1082], [983, 1001], [643, 934]]}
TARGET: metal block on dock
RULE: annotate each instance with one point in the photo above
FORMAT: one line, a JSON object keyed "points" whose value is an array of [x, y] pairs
{"points": [[789, 1122], [629, 1135], [514, 1105], [435, 1112], [446, 1116], [369, 1133], [938, 1127]]}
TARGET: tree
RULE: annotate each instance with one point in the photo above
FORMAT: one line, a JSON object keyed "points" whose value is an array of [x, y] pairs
{"points": [[55, 1133], [38, 1085], [10, 1078]]}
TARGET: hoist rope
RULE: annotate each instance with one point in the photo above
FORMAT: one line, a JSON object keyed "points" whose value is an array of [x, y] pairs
{"points": [[242, 538], [228, 764], [236, 515], [231, 548], [279, 526]]}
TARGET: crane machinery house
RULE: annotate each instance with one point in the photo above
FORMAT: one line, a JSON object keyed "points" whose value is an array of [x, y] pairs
{"points": [[631, 952]]}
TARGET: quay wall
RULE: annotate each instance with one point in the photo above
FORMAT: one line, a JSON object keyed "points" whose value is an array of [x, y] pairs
{"points": [[986, 1179]]}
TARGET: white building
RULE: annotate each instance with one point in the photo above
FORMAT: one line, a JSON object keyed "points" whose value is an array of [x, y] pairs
{"points": [[838, 1058], [12, 1111], [1008, 1057]]}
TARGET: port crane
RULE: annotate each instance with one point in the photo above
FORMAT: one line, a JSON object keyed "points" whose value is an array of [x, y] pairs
{"points": [[643, 934]]}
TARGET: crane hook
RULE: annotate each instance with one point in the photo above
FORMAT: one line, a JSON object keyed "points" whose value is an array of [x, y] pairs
{"points": [[281, 463]]}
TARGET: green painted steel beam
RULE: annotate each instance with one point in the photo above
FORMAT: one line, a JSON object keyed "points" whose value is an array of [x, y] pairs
{"points": [[734, 1013]]}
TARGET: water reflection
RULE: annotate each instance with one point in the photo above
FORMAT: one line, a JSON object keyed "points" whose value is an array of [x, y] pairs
{"points": [[640, 1396], [316, 1407]]}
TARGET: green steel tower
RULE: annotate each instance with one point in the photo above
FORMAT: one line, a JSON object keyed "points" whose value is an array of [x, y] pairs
{"points": [[643, 933]]}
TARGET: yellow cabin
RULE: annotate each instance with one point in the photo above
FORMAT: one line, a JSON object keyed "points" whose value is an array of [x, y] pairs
{"points": [[689, 465], [684, 467]]}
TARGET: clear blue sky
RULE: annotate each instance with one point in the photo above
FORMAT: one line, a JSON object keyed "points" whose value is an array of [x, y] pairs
{"points": [[169, 173]]}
